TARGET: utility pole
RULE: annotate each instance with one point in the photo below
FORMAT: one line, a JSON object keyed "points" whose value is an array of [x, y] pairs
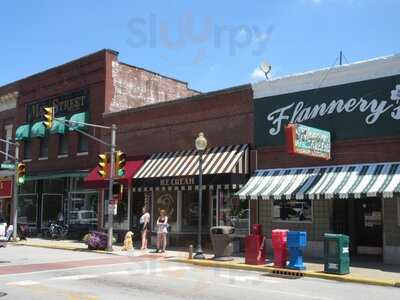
{"points": [[110, 188], [15, 192], [340, 58]]}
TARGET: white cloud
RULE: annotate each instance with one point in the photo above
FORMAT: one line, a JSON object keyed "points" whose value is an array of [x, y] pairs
{"points": [[257, 75]]}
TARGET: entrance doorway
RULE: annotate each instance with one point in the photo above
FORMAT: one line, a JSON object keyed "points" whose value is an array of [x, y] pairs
{"points": [[138, 202], [361, 219]]}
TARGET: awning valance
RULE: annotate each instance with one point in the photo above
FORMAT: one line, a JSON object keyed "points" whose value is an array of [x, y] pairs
{"points": [[93, 180], [179, 170], [38, 130], [22, 132], [342, 181], [58, 126], [81, 117]]}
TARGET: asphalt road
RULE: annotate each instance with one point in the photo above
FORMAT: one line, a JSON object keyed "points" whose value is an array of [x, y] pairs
{"points": [[98, 276]]}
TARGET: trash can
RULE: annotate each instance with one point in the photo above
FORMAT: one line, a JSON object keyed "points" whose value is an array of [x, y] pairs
{"points": [[295, 241], [221, 239], [279, 238], [255, 246], [336, 254]]}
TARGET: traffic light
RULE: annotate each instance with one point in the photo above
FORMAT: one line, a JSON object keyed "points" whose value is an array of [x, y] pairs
{"points": [[102, 164], [21, 170], [120, 162], [48, 117]]}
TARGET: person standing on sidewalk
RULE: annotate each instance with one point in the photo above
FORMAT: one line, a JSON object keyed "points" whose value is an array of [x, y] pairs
{"points": [[144, 227], [162, 230]]}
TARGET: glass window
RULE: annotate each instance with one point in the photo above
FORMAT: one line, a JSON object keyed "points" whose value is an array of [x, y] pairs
{"points": [[190, 211], [27, 149], [54, 185], [27, 209], [29, 187], [233, 211], [398, 210], [121, 217], [82, 143], [63, 143], [8, 136], [165, 200], [44, 147], [292, 210], [83, 209], [52, 205]]}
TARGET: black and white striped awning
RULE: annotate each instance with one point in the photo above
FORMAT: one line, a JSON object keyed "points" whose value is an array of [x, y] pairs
{"points": [[223, 167], [342, 181]]}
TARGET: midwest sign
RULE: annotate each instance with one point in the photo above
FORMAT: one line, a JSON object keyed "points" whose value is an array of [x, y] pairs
{"points": [[363, 109], [308, 141]]}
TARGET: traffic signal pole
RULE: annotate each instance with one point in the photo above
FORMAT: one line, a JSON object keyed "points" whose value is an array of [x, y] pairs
{"points": [[15, 193], [110, 188]]}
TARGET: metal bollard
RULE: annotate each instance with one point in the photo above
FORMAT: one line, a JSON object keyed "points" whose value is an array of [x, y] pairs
{"points": [[190, 252]]}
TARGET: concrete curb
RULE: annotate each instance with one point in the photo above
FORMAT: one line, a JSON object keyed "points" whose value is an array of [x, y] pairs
{"points": [[268, 269], [63, 247]]}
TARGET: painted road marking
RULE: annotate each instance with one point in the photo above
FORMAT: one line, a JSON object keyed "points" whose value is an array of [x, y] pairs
{"points": [[23, 283], [75, 277], [247, 278]]}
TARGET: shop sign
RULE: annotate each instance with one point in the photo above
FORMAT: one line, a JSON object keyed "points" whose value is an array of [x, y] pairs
{"points": [[364, 109], [178, 181], [5, 188], [309, 141], [64, 105]]}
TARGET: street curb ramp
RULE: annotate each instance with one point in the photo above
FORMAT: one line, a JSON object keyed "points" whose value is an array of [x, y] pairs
{"points": [[285, 272]]}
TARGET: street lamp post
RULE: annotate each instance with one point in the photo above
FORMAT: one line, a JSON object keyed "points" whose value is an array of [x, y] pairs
{"points": [[201, 145]]}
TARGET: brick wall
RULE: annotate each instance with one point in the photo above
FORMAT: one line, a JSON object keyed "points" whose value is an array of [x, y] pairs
{"points": [[134, 87], [225, 117]]}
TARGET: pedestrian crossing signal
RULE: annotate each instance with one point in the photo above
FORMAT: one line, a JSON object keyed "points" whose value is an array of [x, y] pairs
{"points": [[102, 164], [48, 117]]}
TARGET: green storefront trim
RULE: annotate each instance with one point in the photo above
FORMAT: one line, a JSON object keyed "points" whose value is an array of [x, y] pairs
{"points": [[79, 117], [38, 130], [58, 126], [22, 132]]}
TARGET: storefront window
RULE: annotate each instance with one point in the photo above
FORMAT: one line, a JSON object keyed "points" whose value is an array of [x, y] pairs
{"points": [[121, 217], [83, 209], [29, 187], [292, 210], [52, 205], [233, 211], [165, 200], [190, 211], [398, 211], [27, 209]]}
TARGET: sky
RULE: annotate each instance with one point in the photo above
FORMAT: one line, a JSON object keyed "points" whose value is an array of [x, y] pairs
{"points": [[209, 44]]}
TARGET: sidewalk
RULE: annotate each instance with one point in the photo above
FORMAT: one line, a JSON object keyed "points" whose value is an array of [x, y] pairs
{"points": [[360, 271]]}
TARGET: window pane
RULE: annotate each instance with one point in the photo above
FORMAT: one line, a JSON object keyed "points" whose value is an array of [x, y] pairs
{"points": [[292, 210], [190, 211], [44, 147], [121, 218], [83, 212], [233, 212], [27, 149], [166, 200], [82, 143], [51, 207], [27, 209], [63, 144]]}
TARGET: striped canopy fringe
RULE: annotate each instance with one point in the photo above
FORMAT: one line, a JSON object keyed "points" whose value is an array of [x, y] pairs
{"points": [[342, 181], [187, 188]]}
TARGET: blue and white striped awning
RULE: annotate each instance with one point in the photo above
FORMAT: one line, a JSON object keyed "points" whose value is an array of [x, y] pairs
{"points": [[341, 181]]}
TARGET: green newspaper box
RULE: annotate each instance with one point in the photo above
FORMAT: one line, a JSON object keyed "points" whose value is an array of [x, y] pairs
{"points": [[336, 254]]}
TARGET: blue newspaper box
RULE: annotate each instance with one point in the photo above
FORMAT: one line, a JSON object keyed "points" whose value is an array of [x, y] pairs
{"points": [[295, 241]]}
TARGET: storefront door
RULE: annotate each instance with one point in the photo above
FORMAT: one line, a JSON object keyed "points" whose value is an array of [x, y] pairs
{"points": [[368, 226]]}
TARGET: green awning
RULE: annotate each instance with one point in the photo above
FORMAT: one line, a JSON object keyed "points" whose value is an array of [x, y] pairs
{"points": [[22, 132], [57, 175], [79, 117], [58, 126], [38, 130]]}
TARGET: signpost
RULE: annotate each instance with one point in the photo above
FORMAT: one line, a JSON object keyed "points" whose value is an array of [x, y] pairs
{"points": [[309, 141]]}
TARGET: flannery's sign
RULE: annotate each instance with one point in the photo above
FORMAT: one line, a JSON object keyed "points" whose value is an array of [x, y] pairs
{"points": [[179, 181], [308, 141], [64, 105], [357, 110]]}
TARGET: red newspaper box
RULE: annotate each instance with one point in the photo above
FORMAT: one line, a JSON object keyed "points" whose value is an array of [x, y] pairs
{"points": [[279, 239], [255, 250]]}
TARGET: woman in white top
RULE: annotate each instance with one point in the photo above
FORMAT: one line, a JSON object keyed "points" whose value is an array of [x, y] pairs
{"points": [[144, 227], [162, 230]]}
